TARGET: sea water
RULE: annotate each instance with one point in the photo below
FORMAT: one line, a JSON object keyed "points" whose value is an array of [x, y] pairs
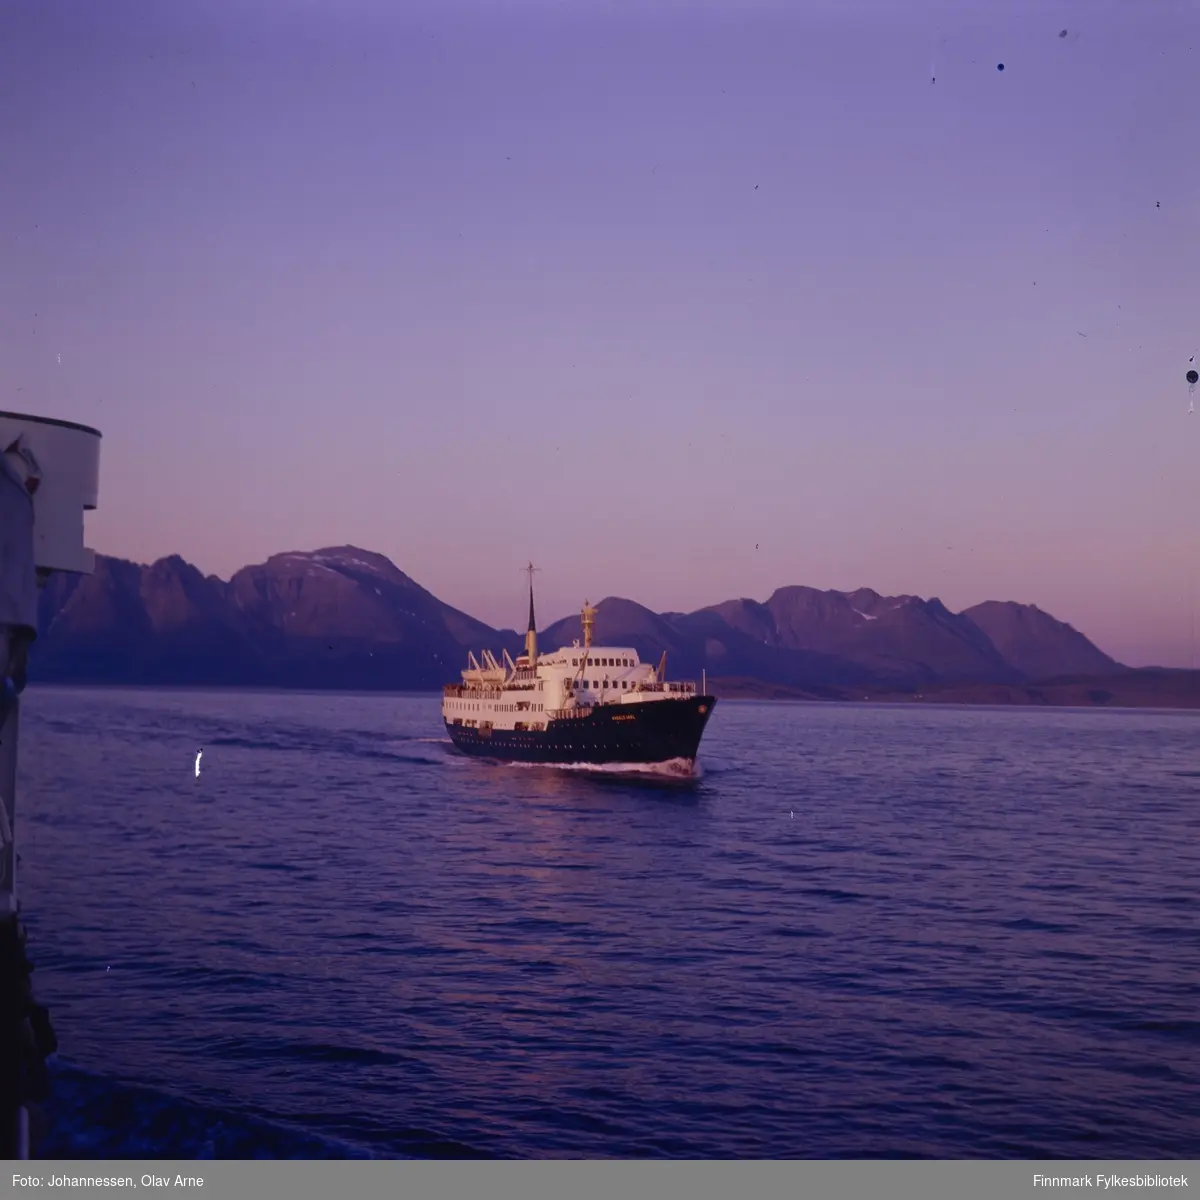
{"points": [[860, 931]]}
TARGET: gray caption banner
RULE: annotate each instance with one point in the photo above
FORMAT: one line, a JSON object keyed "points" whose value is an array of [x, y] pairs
{"points": [[608, 1180]]}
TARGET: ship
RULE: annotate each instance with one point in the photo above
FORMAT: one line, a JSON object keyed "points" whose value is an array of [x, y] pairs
{"points": [[583, 704]]}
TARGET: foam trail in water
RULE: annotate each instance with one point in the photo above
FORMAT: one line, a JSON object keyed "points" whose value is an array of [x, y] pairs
{"points": [[674, 768]]}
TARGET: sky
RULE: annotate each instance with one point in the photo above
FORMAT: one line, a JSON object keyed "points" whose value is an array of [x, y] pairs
{"points": [[681, 301]]}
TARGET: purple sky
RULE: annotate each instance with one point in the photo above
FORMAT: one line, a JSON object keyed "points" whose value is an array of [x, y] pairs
{"points": [[626, 295]]}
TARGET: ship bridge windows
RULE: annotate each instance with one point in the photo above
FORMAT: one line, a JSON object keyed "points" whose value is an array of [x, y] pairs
{"points": [[590, 660]]}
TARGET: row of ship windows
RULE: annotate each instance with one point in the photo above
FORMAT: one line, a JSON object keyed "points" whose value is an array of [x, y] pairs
{"points": [[608, 683], [487, 726], [603, 662], [463, 704]]}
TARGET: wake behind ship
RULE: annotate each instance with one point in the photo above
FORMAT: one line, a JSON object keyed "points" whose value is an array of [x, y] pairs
{"points": [[582, 704]]}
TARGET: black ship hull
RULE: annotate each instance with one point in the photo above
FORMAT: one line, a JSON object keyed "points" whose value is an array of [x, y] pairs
{"points": [[654, 731]]}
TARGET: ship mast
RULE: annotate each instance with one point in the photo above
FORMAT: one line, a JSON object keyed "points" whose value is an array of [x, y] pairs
{"points": [[531, 633]]}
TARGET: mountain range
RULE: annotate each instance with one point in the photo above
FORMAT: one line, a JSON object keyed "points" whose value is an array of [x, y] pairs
{"points": [[343, 617]]}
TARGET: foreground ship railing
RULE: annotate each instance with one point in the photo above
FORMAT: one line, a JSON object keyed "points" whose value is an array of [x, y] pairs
{"points": [[49, 477]]}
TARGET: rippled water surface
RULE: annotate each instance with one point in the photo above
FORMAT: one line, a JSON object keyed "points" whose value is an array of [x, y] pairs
{"points": [[864, 931]]}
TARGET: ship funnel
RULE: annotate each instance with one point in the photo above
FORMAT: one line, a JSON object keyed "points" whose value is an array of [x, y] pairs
{"points": [[588, 619]]}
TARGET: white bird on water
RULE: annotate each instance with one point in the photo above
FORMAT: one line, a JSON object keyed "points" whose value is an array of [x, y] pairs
{"points": [[198, 753]]}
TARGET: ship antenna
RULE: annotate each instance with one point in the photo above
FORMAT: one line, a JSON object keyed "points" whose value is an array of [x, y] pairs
{"points": [[531, 632]]}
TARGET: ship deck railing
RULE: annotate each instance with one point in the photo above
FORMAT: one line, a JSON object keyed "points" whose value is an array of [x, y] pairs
{"points": [[569, 714], [462, 691], [582, 710]]}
